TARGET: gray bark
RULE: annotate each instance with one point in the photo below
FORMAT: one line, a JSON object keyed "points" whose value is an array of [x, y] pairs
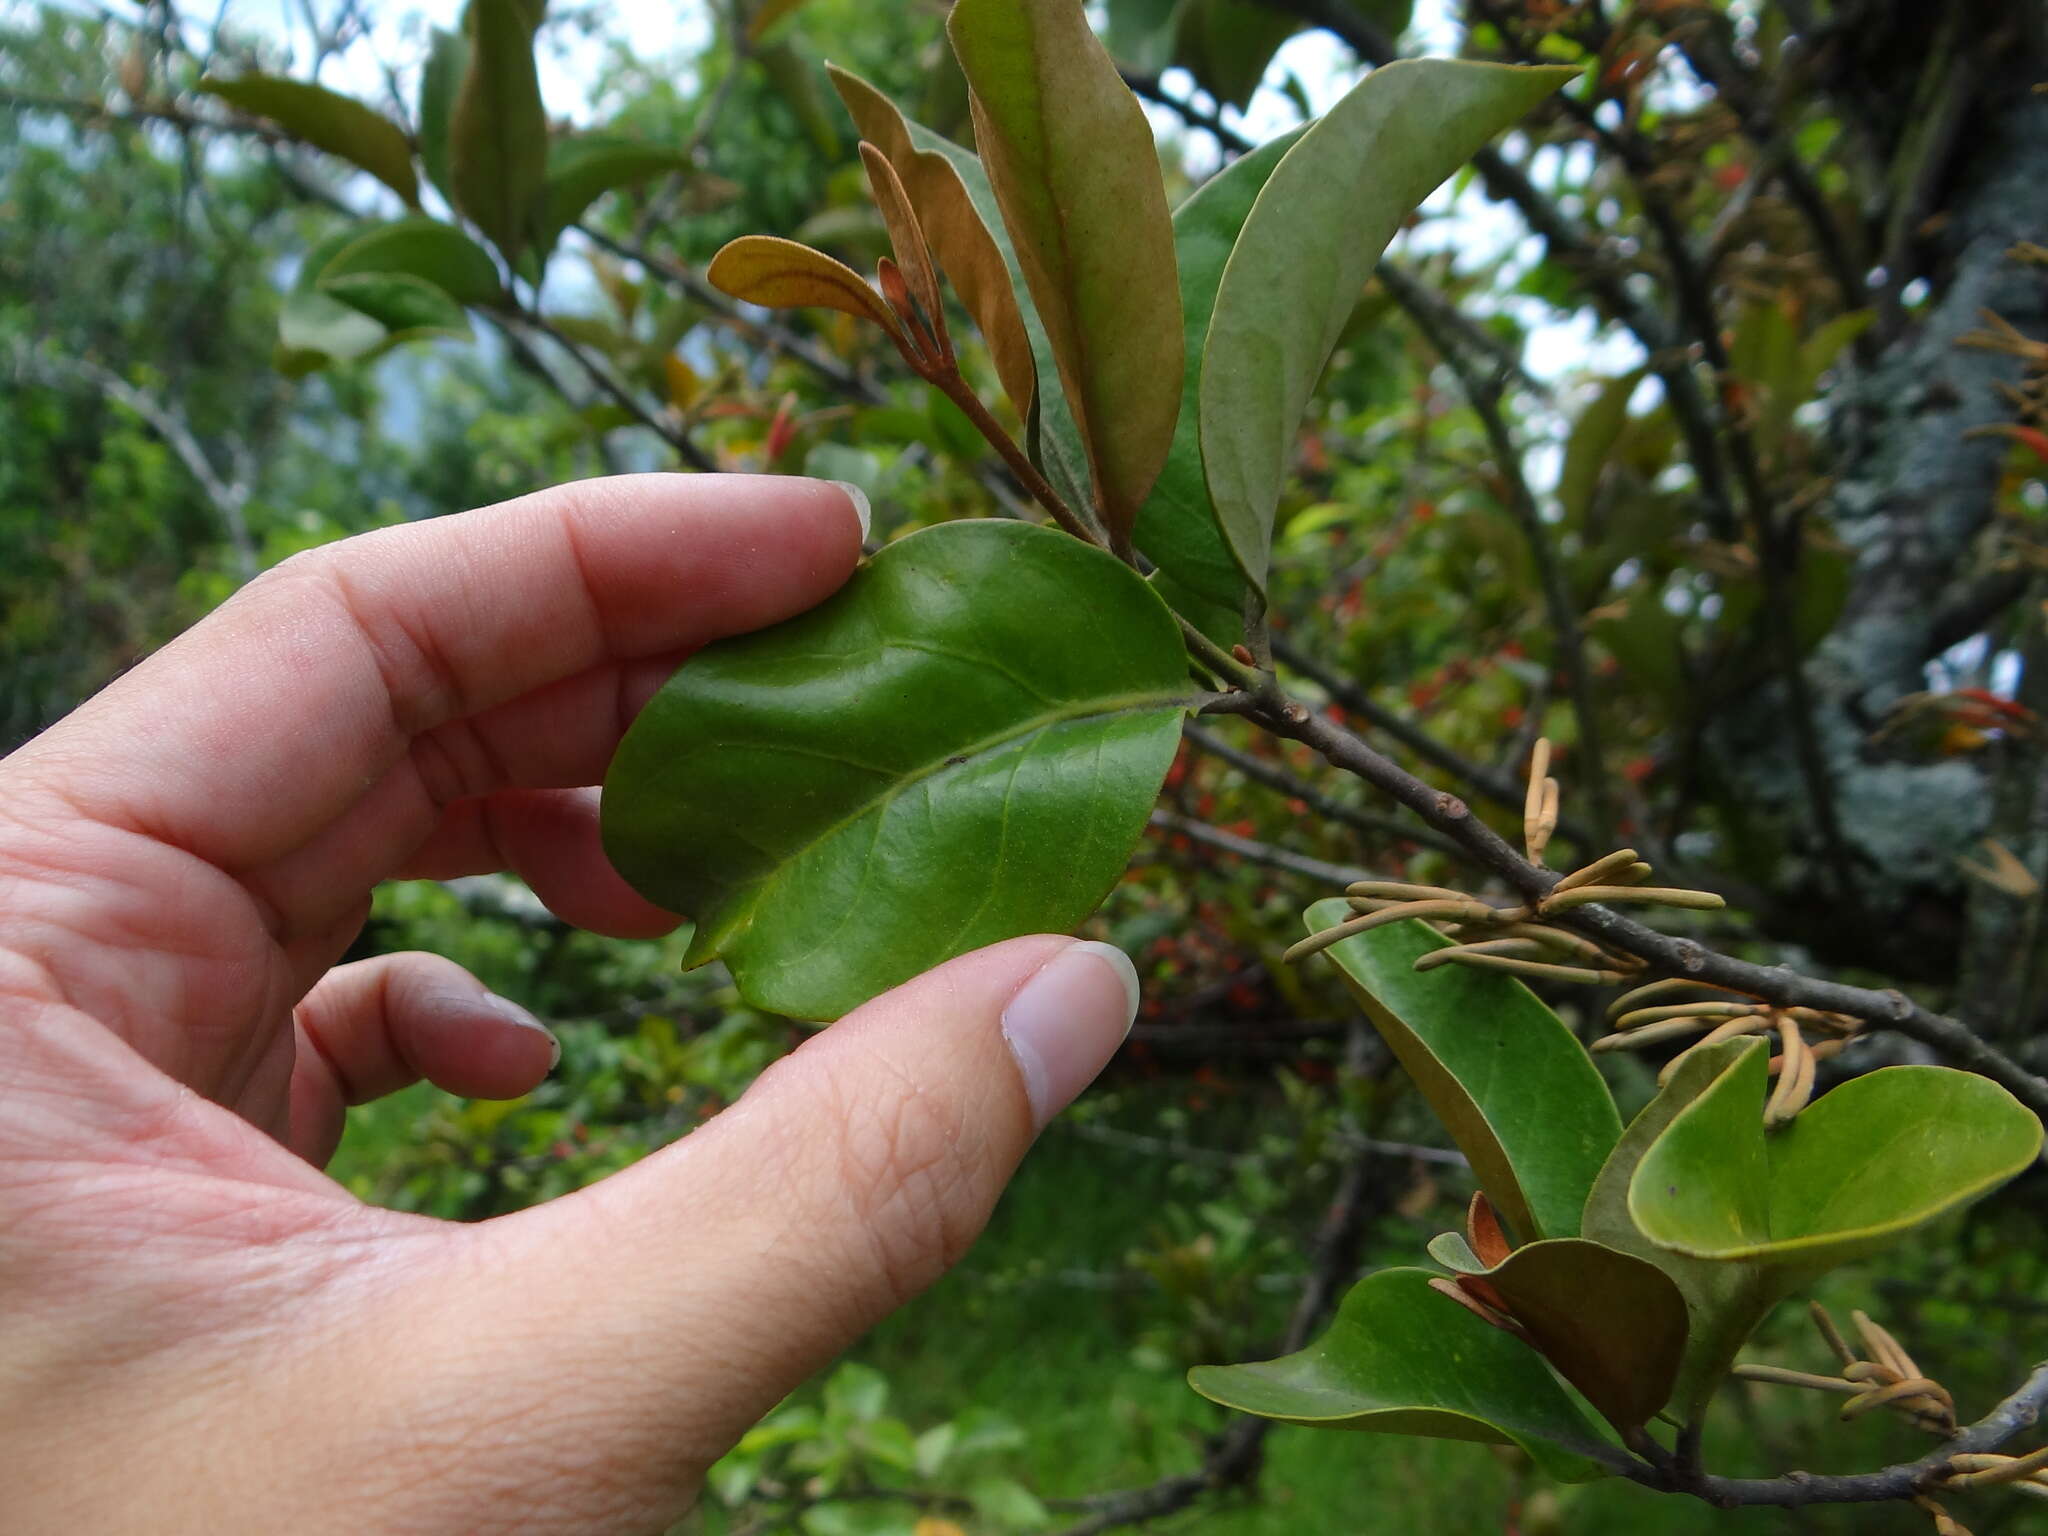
{"points": [[1913, 502]]}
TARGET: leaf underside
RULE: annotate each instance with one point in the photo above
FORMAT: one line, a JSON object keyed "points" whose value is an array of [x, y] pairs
{"points": [[1612, 1324], [1075, 170], [1177, 528], [1313, 238]]}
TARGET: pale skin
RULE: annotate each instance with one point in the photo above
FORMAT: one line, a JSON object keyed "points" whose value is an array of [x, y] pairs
{"points": [[198, 1329]]}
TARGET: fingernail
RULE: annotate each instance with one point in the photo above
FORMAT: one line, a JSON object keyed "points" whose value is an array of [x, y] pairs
{"points": [[861, 510], [1067, 1021], [504, 1008]]}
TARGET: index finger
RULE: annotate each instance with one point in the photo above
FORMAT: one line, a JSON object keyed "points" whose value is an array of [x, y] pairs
{"points": [[245, 736]]}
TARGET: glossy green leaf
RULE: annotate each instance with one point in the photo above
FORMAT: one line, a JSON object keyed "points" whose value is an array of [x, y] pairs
{"points": [[583, 168], [982, 272], [960, 746], [498, 129], [1612, 1324], [1177, 526], [427, 249], [1313, 238], [1071, 158], [1724, 1302], [1859, 1169], [1511, 1084], [327, 120], [440, 80], [399, 302], [1400, 1359]]}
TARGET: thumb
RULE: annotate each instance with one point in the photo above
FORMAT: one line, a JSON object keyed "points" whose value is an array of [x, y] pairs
{"points": [[684, 1297]]}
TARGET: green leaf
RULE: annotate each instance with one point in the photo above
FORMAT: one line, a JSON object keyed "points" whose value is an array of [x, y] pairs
{"points": [[1818, 353], [1177, 525], [498, 129], [1454, 1251], [1724, 1302], [400, 302], [427, 249], [858, 1519], [1858, 1170], [1007, 1502], [583, 168], [960, 746], [318, 325], [1612, 1324], [855, 1393], [1400, 1359], [764, 19], [1648, 640], [440, 80], [1511, 1084], [1827, 573], [1592, 440], [795, 79], [1140, 33], [1313, 238], [1071, 157], [934, 1446], [339, 124], [981, 271], [1227, 45]]}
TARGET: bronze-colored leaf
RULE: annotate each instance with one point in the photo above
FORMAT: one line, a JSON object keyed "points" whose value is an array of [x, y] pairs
{"points": [[780, 274], [966, 250], [1075, 170], [906, 238]]}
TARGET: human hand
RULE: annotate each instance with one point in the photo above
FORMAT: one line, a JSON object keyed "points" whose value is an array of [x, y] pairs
{"points": [[199, 1330]]}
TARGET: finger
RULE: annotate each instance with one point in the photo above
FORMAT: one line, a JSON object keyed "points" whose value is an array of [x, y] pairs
{"points": [[681, 1299], [562, 735], [550, 838], [319, 675], [379, 1025]]}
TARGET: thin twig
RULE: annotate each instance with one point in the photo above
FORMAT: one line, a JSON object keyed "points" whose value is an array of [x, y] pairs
{"points": [[1275, 777], [1191, 113], [1684, 957], [1257, 852], [1484, 396], [681, 441]]}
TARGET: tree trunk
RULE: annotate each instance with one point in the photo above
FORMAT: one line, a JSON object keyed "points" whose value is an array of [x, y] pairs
{"points": [[1913, 500]]}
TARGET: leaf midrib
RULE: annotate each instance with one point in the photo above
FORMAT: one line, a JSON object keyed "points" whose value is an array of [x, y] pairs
{"points": [[1113, 707]]}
